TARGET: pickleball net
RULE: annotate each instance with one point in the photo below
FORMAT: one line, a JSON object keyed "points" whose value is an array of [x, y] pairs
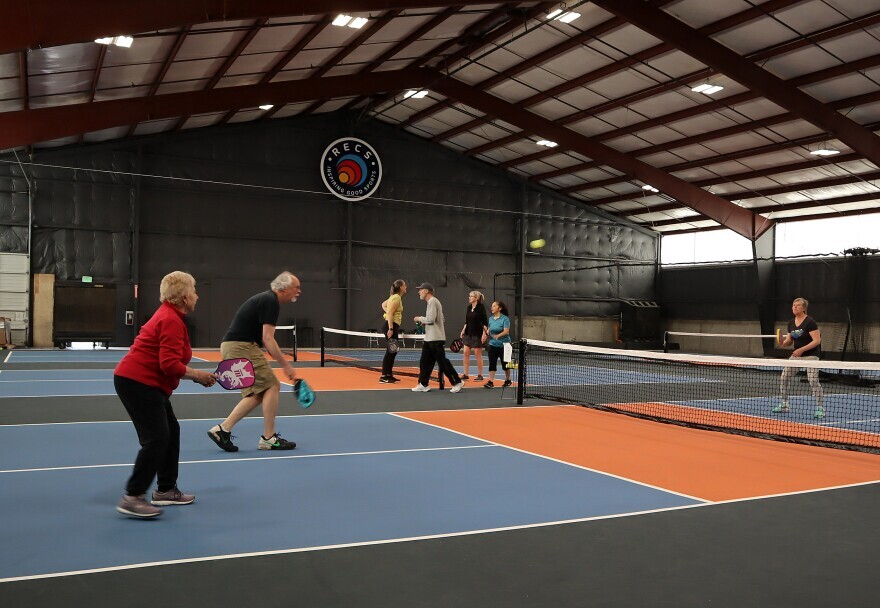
{"points": [[366, 350], [734, 394]]}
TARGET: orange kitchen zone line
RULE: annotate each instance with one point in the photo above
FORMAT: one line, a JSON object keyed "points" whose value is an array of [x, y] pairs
{"points": [[703, 464]]}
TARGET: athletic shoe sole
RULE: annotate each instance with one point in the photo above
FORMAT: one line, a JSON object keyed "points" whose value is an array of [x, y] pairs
{"points": [[168, 503], [141, 515]]}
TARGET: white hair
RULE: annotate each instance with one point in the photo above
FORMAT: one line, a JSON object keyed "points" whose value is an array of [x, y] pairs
{"points": [[282, 281], [175, 286]]}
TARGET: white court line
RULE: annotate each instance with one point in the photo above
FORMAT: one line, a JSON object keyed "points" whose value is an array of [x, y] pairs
{"points": [[405, 540], [556, 460], [254, 459], [285, 416]]}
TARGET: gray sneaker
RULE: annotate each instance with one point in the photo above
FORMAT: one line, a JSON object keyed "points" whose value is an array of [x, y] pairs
{"points": [[136, 506], [172, 497]]}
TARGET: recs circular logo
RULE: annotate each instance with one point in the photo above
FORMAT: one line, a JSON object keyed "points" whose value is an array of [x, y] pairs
{"points": [[351, 169]]}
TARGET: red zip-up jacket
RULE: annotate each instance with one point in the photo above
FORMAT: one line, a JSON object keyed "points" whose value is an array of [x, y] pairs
{"points": [[160, 352]]}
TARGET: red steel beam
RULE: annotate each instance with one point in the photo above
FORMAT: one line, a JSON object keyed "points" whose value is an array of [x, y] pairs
{"points": [[741, 221], [842, 200], [44, 23], [607, 70], [45, 124], [375, 26], [665, 27]]}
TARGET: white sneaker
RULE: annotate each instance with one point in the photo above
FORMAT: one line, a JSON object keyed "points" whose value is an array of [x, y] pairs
{"points": [[418, 388], [457, 387]]}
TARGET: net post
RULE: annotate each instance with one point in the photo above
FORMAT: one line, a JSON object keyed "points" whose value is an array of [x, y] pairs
{"points": [[665, 341], [521, 376], [294, 340], [322, 347]]}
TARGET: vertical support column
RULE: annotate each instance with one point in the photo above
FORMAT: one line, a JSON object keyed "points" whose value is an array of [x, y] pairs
{"points": [[349, 226], [764, 258], [134, 268], [29, 338], [521, 267], [521, 376]]}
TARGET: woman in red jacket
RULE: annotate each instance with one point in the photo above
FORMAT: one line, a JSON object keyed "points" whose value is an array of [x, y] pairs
{"points": [[144, 381]]}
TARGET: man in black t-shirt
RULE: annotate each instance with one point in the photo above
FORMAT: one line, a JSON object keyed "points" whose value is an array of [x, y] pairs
{"points": [[804, 334], [252, 329]]}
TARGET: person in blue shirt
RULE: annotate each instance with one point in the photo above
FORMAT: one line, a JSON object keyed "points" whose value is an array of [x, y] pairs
{"points": [[499, 335]]}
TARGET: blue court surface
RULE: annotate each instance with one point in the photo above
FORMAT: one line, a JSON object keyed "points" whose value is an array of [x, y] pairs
{"points": [[68, 356], [356, 478], [75, 383]]}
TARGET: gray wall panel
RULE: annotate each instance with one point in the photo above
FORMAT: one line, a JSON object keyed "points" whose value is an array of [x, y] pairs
{"points": [[234, 205], [72, 254]]}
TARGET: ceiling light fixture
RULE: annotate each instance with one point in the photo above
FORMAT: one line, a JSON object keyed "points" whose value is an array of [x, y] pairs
{"points": [[823, 151], [415, 94], [352, 22], [650, 188], [560, 14], [123, 41], [547, 143], [707, 89], [267, 106]]}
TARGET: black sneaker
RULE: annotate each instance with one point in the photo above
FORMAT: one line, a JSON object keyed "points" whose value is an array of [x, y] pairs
{"points": [[392, 379], [386, 380], [275, 442], [223, 439], [478, 378], [489, 385], [507, 383]]}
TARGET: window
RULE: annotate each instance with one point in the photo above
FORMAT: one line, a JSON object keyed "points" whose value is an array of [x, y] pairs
{"points": [[704, 247], [827, 235], [817, 237]]}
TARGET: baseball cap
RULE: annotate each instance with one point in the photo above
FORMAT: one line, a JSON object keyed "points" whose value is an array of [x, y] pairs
{"points": [[427, 286]]}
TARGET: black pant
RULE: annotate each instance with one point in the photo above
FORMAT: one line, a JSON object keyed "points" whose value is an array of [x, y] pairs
{"points": [[388, 360], [496, 353], [435, 352], [158, 433]]}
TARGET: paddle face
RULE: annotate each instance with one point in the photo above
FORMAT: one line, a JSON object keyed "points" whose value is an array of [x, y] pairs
{"points": [[456, 345], [393, 345], [303, 393], [235, 374]]}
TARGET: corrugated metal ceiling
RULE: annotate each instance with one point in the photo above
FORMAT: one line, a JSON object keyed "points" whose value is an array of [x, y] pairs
{"points": [[612, 88]]}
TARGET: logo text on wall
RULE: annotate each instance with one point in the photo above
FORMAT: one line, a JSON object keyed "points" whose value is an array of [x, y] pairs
{"points": [[351, 169]]}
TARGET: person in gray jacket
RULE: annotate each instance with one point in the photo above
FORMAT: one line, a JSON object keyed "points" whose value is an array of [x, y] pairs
{"points": [[434, 345]]}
